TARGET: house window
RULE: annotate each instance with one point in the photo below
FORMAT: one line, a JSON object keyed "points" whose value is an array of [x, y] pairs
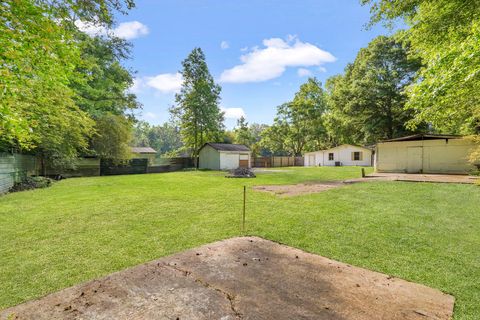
{"points": [[330, 157], [357, 156]]}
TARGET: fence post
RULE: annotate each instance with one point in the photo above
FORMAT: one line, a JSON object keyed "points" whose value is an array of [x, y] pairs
{"points": [[244, 201]]}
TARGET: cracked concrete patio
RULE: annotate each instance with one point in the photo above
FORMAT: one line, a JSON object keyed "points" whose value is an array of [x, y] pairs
{"points": [[241, 278]]}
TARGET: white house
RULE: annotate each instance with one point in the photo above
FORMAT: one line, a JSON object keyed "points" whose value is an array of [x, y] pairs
{"points": [[224, 156], [424, 153], [343, 155]]}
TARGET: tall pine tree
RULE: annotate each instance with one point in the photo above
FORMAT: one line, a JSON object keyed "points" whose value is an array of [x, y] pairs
{"points": [[197, 105]]}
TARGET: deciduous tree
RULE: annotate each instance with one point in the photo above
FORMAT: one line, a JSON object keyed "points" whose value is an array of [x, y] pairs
{"points": [[367, 102], [197, 105], [165, 138], [40, 63], [242, 132], [112, 137], [299, 124], [445, 34]]}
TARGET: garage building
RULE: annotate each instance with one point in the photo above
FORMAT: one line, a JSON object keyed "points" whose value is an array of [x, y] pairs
{"points": [[224, 156], [424, 153]]}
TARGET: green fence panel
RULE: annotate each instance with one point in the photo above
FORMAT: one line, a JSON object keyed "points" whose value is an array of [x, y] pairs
{"points": [[14, 168]]}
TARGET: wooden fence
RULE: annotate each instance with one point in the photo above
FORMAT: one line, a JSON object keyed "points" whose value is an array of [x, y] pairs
{"points": [[142, 165], [14, 168], [171, 164], [133, 166], [281, 161]]}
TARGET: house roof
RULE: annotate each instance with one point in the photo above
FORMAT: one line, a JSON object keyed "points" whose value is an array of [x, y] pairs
{"points": [[424, 137], [142, 150], [342, 145], [227, 146]]}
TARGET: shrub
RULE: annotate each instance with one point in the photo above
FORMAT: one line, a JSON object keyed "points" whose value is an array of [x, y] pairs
{"points": [[31, 183]]}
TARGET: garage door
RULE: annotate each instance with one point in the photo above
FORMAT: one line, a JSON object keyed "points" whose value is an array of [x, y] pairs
{"points": [[243, 162]]}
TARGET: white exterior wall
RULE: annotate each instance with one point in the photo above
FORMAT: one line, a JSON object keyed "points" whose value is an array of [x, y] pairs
{"points": [[341, 153], [313, 159], [209, 158], [231, 159], [427, 156]]}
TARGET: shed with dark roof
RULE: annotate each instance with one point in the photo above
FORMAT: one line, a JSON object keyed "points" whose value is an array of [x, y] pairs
{"points": [[143, 150], [144, 153], [224, 156]]}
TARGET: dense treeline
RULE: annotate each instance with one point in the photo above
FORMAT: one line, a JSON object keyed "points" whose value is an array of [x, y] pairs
{"points": [[361, 106], [445, 36], [64, 93], [422, 79]]}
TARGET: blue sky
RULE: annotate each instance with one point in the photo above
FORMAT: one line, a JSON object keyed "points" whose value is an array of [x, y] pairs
{"points": [[282, 43]]}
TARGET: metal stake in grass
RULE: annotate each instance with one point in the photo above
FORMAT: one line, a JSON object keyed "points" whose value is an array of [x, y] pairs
{"points": [[244, 201]]}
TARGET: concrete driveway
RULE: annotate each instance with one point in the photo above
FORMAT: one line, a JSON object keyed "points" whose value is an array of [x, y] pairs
{"points": [[418, 177]]}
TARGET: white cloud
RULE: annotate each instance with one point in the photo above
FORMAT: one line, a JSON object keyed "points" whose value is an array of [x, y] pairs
{"points": [[130, 30], [150, 115], [244, 49], [233, 113], [224, 45], [261, 64], [322, 69], [125, 30], [302, 72], [165, 82]]}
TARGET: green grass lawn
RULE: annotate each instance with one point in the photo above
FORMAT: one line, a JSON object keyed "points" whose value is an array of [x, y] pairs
{"points": [[84, 228]]}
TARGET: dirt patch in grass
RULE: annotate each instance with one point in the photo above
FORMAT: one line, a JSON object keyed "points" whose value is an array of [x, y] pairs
{"points": [[290, 190], [242, 278]]}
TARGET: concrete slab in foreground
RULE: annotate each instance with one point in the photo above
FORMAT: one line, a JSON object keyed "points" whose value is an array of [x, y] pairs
{"points": [[241, 278]]}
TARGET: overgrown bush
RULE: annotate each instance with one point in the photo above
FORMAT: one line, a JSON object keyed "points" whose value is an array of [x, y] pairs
{"points": [[32, 183]]}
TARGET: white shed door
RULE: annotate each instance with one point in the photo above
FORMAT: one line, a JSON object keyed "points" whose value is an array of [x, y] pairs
{"points": [[414, 159], [311, 160], [229, 161]]}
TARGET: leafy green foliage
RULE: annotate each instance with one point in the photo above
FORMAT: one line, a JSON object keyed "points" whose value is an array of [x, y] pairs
{"points": [[256, 131], [30, 183], [97, 11], [242, 132], [165, 138], [112, 137], [249, 135], [197, 109], [37, 59], [104, 89], [445, 34], [103, 94], [299, 124], [367, 103], [54, 80]]}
